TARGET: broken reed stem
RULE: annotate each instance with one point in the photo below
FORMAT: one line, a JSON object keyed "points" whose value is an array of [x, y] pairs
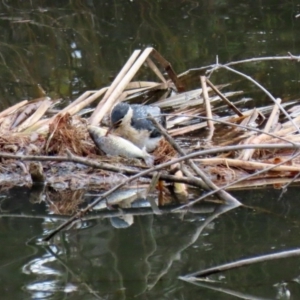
{"points": [[237, 125], [262, 88], [131, 67], [210, 123], [228, 102], [155, 69], [13, 108], [223, 194], [273, 118], [113, 86], [168, 67], [246, 165]]}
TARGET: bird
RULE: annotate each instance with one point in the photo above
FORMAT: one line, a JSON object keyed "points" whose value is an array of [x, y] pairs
{"points": [[130, 122]]}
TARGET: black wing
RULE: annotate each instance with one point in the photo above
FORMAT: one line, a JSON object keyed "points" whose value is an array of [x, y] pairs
{"points": [[140, 114]]}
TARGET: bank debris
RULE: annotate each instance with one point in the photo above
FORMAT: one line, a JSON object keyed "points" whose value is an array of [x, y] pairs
{"points": [[41, 143]]}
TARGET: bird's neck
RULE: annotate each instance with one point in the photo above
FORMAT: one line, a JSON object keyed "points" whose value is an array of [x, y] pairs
{"points": [[127, 118]]}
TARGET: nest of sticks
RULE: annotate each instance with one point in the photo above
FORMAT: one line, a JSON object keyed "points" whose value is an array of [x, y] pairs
{"points": [[254, 147]]}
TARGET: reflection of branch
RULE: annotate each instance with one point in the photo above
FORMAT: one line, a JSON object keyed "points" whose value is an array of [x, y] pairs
{"points": [[31, 216], [219, 211], [108, 213], [245, 262], [223, 290], [77, 277]]}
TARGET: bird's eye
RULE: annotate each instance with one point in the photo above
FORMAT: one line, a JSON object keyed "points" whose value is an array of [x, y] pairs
{"points": [[117, 124]]}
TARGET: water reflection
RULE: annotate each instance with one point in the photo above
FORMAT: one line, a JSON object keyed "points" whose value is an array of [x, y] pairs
{"points": [[70, 48], [131, 261], [145, 259]]}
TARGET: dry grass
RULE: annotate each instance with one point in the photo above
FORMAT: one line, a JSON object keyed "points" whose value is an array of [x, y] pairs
{"points": [[65, 133]]}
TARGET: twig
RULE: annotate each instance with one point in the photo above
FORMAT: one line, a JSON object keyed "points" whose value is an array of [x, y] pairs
{"points": [[223, 194], [151, 187], [109, 167], [210, 123], [228, 102], [245, 262], [255, 59]]}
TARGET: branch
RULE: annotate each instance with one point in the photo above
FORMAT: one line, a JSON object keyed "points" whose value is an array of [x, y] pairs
{"points": [[237, 181], [262, 88], [255, 59], [98, 165], [203, 177]]}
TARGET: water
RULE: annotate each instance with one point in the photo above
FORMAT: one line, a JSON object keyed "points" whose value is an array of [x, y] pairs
{"points": [[70, 48], [145, 260]]}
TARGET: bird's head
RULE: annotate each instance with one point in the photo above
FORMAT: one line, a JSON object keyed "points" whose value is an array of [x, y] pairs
{"points": [[120, 115]]}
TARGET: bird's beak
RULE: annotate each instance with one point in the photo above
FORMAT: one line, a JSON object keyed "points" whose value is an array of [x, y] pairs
{"points": [[109, 130], [112, 127]]}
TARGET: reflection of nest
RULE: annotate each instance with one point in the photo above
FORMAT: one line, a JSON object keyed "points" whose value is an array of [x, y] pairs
{"points": [[64, 202], [63, 134]]}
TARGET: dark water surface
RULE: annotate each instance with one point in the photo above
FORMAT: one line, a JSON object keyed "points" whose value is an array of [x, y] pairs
{"points": [[80, 45]]}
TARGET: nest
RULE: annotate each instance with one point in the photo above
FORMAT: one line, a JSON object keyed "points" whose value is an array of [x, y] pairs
{"points": [[164, 152], [66, 132]]}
